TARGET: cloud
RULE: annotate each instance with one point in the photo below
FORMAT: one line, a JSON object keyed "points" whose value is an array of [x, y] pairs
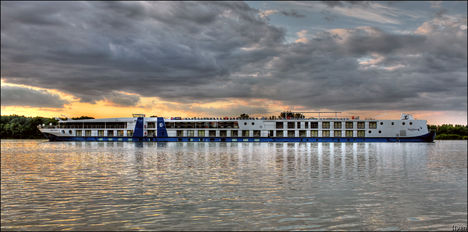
{"points": [[302, 36], [20, 96], [147, 48], [290, 13], [367, 10], [199, 52], [266, 13], [120, 99]]}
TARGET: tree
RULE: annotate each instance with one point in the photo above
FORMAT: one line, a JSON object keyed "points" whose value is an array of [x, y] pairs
{"points": [[83, 117], [244, 116]]}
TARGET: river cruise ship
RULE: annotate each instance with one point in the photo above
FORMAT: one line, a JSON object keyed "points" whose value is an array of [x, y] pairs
{"points": [[289, 127]]}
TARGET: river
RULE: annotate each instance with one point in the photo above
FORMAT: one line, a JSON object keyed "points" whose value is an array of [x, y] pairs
{"points": [[232, 186]]}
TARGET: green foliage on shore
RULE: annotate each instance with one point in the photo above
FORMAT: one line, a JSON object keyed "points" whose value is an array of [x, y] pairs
{"points": [[21, 127], [450, 132]]}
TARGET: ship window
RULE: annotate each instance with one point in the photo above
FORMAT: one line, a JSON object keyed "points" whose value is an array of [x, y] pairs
{"points": [[279, 125], [129, 133], [120, 133], [279, 133], [180, 133], [393, 123], [226, 124], [403, 123], [170, 125], [290, 125], [291, 133], [349, 133], [151, 133], [411, 123], [70, 131], [337, 133], [313, 125], [380, 132], [361, 133], [63, 131], [256, 133], [236, 125], [326, 125], [99, 124], [306, 125], [326, 133], [253, 123], [100, 132], [381, 123], [314, 133], [151, 125], [113, 125], [87, 132], [245, 123], [360, 125], [213, 124], [234, 133], [190, 133], [201, 133], [212, 133], [110, 133], [337, 125], [370, 132], [79, 133], [245, 133], [271, 133], [372, 125], [349, 125], [302, 133], [222, 133], [298, 124]]}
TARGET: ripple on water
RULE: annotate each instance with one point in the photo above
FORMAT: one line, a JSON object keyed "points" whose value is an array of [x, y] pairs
{"points": [[232, 186]]}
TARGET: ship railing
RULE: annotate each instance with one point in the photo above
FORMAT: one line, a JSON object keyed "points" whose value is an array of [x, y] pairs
{"points": [[47, 126]]}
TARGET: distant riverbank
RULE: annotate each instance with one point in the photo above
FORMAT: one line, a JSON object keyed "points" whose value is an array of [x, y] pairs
{"points": [[21, 127]]}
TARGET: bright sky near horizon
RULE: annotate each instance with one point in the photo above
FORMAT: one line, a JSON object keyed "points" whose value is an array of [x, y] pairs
{"points": [[112, 59]]}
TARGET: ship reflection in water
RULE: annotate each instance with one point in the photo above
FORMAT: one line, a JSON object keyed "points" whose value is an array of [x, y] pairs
{"points": [[233, 186]]}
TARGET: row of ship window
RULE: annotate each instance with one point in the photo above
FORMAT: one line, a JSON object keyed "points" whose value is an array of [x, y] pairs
{"points": [[110, 133], [224, 133], [325, 125], [271, 133], [279, 125], [93, 125]]}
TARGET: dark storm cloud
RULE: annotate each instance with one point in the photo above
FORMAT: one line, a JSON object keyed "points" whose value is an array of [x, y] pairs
{"points": [[120, 99], [19, 96], [204, 51]]}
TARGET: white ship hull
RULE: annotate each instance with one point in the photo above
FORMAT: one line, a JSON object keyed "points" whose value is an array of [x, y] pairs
{"points": [[240, 130]]}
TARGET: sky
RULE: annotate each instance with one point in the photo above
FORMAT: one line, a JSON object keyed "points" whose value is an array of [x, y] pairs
{"points": [[214, 59]]}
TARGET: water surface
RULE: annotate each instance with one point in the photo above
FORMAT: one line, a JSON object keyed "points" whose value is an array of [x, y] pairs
{"points": [[232, 186]]}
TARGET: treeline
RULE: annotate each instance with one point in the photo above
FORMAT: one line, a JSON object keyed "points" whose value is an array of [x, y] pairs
{"points": [[21, 127], [449, 131]]}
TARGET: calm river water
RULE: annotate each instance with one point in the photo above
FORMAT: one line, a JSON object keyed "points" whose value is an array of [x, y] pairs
{"points": [[232, 186]]}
